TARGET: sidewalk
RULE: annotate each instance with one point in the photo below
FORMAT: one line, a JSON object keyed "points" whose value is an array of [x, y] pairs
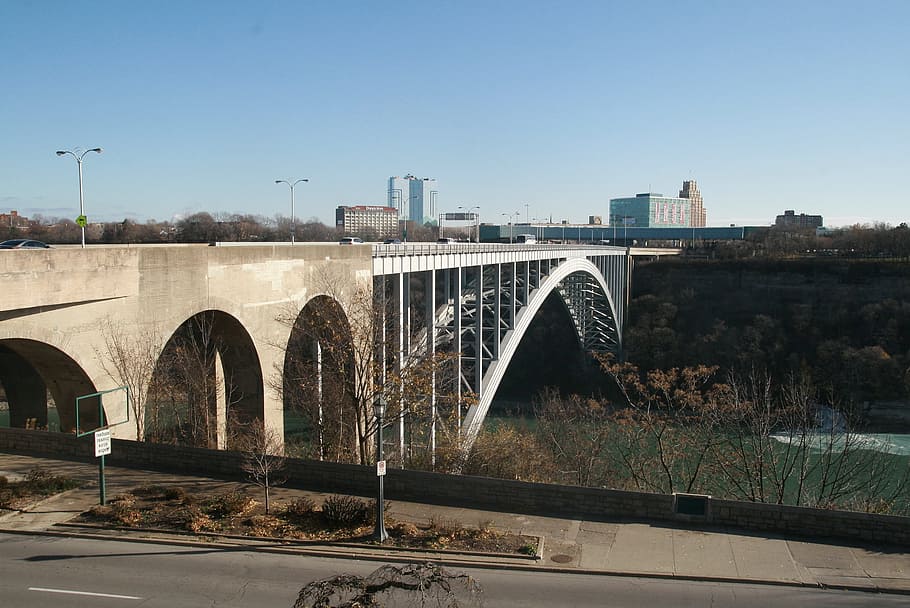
{"points": [[634, 549]]}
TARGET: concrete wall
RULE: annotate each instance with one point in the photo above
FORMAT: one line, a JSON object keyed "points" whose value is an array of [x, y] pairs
{"points": [[55, 301], [481, 492]]}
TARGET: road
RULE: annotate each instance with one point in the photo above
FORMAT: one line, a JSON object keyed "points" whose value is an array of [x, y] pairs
{"points": [[39, 572]]}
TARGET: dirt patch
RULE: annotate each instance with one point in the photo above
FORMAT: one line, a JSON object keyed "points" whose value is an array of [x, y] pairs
{"points": [[37, 484], [336, 518]]}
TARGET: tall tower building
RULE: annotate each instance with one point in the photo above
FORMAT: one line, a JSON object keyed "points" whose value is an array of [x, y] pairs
{"points": [[699, 216], [414, 197]]}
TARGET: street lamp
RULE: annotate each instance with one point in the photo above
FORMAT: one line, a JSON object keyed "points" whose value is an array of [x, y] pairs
{"points": [[476, 218], [510, 216], [379, 532], [78, 156], [291, 186]]}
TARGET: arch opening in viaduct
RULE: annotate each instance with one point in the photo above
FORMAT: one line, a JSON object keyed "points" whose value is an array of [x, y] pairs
{"points": [[30, 371], [318, 371], [207, 384]]}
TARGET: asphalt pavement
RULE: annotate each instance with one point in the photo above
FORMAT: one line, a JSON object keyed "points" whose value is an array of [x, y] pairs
{"points": [[655, 550]]}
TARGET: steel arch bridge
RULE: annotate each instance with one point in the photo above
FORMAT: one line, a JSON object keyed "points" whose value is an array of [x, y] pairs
{"points": [[479, 300]]}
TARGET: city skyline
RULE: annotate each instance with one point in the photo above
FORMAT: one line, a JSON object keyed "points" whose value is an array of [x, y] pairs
{"points": [[561, 108]]}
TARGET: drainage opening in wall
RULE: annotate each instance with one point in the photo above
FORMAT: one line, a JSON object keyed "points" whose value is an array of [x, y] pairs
{"points": [[691, 505]]}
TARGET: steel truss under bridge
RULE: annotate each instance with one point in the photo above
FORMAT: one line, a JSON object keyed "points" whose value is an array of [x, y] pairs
{"points": [[477, 301]]}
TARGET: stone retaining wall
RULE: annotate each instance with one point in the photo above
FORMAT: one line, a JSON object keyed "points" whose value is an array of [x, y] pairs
{"points": [[479, 492]]}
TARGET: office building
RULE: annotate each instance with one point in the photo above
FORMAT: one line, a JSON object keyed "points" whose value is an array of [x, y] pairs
{"points": [[798, 222], [367, 220], [414, 198], [650, 210], [699, 217], [14, 220]]}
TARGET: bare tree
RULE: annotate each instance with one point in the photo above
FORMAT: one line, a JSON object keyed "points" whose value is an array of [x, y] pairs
{"points": [[190, 387], [579, 433], [779, 444], [130, 358], [263, 461], [416, 585], [668, 427]]}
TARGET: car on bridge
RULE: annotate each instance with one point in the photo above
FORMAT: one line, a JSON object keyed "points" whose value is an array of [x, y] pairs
{"points": [[350, 240], [23, 244]]}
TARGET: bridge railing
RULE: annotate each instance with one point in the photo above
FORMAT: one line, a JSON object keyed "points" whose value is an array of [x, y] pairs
{"points": [[441, 248]]}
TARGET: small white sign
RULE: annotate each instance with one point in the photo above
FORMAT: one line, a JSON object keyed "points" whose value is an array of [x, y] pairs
{"points": [[380, 468], [103, 442]]}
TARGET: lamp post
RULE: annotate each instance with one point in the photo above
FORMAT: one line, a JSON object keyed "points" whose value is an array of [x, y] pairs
{"points": [[476, 219], [78, 156], [379, 531], [510, 216], [291, 186]]}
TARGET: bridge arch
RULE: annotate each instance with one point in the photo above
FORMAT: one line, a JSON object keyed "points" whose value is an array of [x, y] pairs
{"points": [[562, 279], [208, 383], [29, 369], [317, 370]]}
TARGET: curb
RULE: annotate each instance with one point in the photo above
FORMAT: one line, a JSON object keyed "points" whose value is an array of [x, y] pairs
{"points": [[305, 544]]}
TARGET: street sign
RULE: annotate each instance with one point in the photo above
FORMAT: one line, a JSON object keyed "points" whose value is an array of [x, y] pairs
{"points": [[103, 442], [380, 468], [82, 221]]}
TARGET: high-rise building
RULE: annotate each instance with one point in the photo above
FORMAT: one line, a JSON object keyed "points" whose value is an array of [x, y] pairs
{"points": [[415, 198], [650, 210], [690, 191], [360, 219]]}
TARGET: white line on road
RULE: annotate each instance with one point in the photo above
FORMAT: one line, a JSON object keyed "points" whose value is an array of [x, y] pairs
{"points": [[120, 597]]}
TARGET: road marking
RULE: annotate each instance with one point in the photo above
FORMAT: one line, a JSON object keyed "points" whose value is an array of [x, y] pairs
{"points": [[119, 597]]}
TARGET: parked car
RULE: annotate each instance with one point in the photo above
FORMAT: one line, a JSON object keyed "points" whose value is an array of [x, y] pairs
{"points": [[350, 240], [23, 244]]}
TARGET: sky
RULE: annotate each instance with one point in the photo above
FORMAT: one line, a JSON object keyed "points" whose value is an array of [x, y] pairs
{"points": [[557, 105]]}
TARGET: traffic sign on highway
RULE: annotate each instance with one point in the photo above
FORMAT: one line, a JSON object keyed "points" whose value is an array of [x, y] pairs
{"points": [[82, 221]]}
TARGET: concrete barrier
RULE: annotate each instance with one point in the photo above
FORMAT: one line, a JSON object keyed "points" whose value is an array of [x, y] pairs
{"points": [[479, 492]]}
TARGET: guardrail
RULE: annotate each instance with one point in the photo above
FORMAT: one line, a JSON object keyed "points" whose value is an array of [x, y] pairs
{"points": [[439, 248]]}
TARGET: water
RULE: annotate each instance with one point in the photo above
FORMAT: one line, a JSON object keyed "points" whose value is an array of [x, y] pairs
{"points": [[879, 442]]}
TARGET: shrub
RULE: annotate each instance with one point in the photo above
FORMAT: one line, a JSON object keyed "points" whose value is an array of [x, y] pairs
{"points": [[404, 528], [346, 512], [151, 491], [176, 493], [193, 519], [124, 514], [229, 504], [445, 527], [263, 525], [300, 507], [3, 481], [42, 481]]}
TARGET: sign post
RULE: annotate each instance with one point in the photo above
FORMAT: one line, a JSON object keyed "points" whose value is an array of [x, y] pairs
{"points": [[102, 449], [102, 433]]}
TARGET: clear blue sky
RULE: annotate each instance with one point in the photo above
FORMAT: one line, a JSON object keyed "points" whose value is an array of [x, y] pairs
{"points": [[200, 106]]}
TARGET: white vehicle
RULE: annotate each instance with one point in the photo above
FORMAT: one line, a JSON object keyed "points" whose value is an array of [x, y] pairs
{"points": [[350, 240], [527, 239]]}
